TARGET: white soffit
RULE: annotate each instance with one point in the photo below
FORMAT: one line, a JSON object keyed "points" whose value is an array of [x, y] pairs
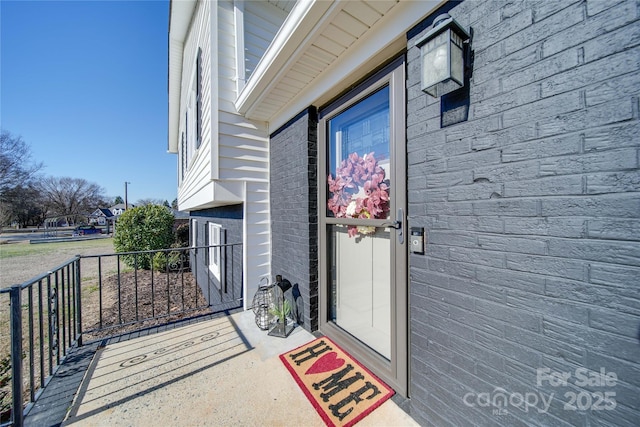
{"points": [[321, 49], [285, 5]]}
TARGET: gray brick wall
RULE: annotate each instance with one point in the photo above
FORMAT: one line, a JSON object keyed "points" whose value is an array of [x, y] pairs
{"points": [[222, 294], [532, 210], [294, 218]]}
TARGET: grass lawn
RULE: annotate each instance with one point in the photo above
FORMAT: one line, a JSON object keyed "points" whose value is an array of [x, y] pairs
{"points": [[22, 249], [22, 261]]}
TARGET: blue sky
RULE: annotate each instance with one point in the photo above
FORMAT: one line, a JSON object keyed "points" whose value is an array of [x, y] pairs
{"points": [[85, 84]]}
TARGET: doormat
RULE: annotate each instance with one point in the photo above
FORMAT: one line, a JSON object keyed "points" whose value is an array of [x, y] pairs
{"points": [[340, 389]]}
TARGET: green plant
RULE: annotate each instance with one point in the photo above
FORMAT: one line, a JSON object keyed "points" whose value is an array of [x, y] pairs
{"points": [[143, 228], [281, 312], [182, 235], [172, 260], [91, 289]]}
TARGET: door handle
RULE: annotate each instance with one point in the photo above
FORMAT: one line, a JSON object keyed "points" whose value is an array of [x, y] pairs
{"points": [[399, 222], [397, 225]]}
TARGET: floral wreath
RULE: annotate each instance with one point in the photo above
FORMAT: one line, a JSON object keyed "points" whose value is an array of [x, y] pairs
{"points": [[359, 190]]}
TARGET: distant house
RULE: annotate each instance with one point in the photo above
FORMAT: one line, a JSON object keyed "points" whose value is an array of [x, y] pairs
{"points": [[119, 209], [101, 216], [179, 215], [181, 218]]}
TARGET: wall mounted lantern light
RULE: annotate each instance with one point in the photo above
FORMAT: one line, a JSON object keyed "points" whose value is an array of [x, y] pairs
{"points": [[442, 54]]}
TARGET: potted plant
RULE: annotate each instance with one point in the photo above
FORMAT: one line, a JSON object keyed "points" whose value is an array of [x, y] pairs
{"points": [[281, 329], [281, 313]]}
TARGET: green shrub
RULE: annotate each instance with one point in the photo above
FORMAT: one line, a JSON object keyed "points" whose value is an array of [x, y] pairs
{"points": [[143, 228], [182, 235], [174, 260]]}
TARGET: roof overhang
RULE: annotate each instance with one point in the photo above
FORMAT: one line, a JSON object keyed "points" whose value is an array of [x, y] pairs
{"points": [[180, 15], [296, 71]]}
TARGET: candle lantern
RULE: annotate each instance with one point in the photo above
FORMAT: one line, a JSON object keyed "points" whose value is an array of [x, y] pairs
{"points": [[263, 304]]}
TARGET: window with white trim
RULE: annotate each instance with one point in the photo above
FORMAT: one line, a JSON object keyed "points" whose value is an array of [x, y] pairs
{"points": [[215, 239]]}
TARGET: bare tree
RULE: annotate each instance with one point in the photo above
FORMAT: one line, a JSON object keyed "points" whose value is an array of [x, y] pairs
{"points": [[71, 198], [16, 173], [6, 214], [25, 205], [16, 165], [144, 202]]}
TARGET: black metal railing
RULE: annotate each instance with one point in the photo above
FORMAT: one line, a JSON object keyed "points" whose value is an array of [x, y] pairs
{"points": [[45, 322], [113, 293]]}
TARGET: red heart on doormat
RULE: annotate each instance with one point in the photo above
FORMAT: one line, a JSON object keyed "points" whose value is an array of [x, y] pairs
{"points": [[326, 363]]}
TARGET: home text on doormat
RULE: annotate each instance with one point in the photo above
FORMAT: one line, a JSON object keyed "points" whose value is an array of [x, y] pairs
{"points": [[340, 389]]}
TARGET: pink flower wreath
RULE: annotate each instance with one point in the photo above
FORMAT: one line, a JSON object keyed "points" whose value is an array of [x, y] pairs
{"points": [[359, 190]]}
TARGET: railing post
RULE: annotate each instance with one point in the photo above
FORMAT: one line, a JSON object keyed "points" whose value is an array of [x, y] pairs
{"points": [[78, 301], [16, 355]]}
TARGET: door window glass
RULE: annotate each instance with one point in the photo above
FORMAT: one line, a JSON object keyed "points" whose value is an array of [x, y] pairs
{"points": [[358, 176]]}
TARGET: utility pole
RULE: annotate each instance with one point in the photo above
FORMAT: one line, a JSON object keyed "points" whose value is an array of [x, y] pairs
{"points": [[126, 200]]}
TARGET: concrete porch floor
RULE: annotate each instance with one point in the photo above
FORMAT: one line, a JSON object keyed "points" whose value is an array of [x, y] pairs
{"points": [[219, 372]]}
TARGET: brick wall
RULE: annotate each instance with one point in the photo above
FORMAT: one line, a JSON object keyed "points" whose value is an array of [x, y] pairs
{"points": [[532, 211], [294, 219], [230, 219]]}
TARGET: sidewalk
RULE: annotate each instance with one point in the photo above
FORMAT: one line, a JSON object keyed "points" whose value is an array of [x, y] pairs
{"points": [[220, 372]]}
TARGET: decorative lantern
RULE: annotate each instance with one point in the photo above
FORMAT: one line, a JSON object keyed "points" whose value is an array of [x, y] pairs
{"points": [[442, 54], [263, 304], [282, 328]]}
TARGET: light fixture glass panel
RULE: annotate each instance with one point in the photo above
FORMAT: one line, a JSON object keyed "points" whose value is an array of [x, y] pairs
{"points": [[435, 65], [457, 64]]}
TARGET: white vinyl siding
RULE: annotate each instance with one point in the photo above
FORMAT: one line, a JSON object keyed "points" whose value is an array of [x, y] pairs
{"points": [[232, 163], [257, 223], [262, 21], [244, 145], [198, 166]]}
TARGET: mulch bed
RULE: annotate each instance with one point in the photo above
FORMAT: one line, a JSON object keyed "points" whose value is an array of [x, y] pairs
{"points": [[159, 297]]}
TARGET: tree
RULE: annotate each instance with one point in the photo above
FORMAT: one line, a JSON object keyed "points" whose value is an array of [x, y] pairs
{"points": [[25, 205], [118, 201], [16, 166], [143, 228], [17, 171], [166, 204], [143, 202], [71, 198], [174, 204]]}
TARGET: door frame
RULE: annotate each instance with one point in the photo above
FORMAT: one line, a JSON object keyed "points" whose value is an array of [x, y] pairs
{"points": [[396, 371]]}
